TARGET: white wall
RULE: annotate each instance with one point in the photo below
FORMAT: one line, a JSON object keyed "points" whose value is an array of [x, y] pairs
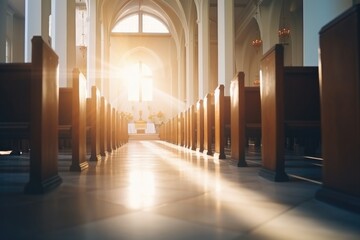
{"points": [[318, 13]]}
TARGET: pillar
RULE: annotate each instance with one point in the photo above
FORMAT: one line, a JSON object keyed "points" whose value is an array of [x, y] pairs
{"points": [[63, 38], [37, 14], [226, 63], [189, 72], [91, 60], [3, 14], [203, 47]]}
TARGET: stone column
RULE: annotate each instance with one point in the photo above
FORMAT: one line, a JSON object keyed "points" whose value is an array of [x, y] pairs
{"points": [[203, 46], [37, 14], [91, 50], [3, 14], [189, 47], [63, 38], [226, 62]]}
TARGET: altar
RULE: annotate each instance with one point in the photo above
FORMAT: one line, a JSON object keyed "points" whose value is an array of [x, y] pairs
{"points": [[141, 127]]}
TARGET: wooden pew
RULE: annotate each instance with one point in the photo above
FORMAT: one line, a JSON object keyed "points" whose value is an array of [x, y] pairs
{"points": [[29, 104], [340, 110], [192, 127], [103, 127], [175, 124], [72, 119], [108, 128], [181, 129], [123, 129], [200, 126], [93, 123], [186, 128], [289, 101], [113, 129], [208, 123], [15, 104], [222, 121], [245, 117]]}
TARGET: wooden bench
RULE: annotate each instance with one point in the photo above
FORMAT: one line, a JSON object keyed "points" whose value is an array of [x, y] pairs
{"points": [[340, 110], [200, 126], [192, 127], [209, 120], [123, 129], [29, 105], [108, 128], [181, 129], [113, 129], [15, 84], [289, 104], [72, 120], [245, 117], [186, 128], [93, 123], [222, 121], [103, 127]]}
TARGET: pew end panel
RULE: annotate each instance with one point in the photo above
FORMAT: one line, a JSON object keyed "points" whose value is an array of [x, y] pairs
{"points": [[79, 161], [208, 123], [200, 126], [340, 110], [103, 127], [272, 116], [180, 129], [108, 129], [238, 119], [219, 122], [44, 119], [193, 127]]}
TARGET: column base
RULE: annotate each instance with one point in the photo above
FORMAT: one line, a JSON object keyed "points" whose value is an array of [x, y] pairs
{"points": [[94, 158], [274, 176], [78, 167], [219, 155], [242, 163]]}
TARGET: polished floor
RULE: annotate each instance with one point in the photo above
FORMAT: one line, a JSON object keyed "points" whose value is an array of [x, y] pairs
{"points": [[155, 190]]}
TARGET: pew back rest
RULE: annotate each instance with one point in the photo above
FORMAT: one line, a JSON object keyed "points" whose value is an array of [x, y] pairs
{"points": [[227, 110], [301, 95], [65, 106], [252, 105], [15, 97]]}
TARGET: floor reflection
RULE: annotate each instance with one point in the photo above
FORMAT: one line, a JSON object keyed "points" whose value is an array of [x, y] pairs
{"points": [[141, 191]]}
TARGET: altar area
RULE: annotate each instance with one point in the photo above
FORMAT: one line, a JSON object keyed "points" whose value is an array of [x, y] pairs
{"points": [[142, 130], [141, 127]]}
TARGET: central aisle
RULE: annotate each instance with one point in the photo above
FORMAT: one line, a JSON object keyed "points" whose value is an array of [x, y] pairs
{"points": [[156, 190]]}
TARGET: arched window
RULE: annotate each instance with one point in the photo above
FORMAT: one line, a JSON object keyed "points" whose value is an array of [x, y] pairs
{"points": [[140, 23]]}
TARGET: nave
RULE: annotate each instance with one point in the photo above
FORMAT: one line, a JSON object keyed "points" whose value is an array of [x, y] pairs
{"points": [[157, 190]]}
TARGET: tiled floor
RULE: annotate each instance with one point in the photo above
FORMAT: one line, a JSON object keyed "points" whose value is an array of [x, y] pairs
{"points": [[155, 190]]}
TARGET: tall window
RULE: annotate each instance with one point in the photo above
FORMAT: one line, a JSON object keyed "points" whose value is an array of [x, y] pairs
{"points": [[140, 23], [7, 51], [140, 82]]}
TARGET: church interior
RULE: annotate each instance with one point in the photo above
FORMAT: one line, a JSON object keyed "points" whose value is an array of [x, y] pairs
{"points": [[179, 119]]}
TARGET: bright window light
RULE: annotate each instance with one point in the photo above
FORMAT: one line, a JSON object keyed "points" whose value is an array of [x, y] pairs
{"points": [[153, 25], [147, 89], [139, 81], [149, 24], [129, 24]]}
